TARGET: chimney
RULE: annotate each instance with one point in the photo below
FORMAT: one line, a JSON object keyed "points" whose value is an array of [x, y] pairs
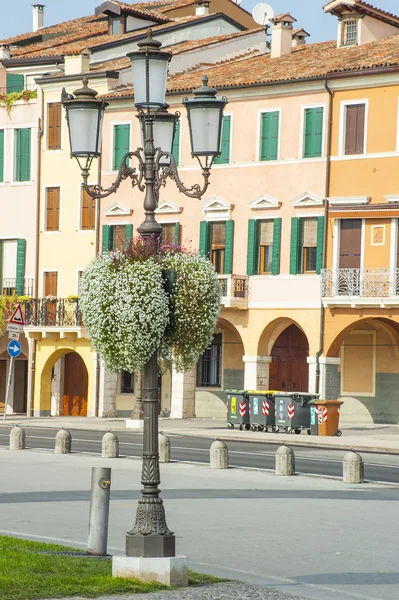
{"points": [[4, 52], [281, 35], [299, 37], [76, 64], [202, 7], [38, 16]]}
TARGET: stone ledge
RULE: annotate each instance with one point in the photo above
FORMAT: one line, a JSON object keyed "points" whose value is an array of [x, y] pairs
{"points": [[171, 570]]}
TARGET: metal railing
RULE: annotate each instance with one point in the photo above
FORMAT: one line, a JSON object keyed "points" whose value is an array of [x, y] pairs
{"points": [[11, 89], [10, 286], [233, 286], [365, 283], [57, 312]]}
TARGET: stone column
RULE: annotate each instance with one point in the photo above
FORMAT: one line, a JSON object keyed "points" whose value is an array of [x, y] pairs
{"points": [[330, 378], [108, 390], [311, 360], [256, 373], [183, 395]]}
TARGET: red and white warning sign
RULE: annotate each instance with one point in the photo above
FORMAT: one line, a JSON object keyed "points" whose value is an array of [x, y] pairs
{"points": [[291, 411], [243, 409], [17, 318], [265, 408], [325, 413]]}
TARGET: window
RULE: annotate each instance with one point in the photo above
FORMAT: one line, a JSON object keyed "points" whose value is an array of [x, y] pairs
{"points": [[116, 237], [309, 245], [218, 246], [265, 246], [354, 128], [52, 209], [8, 266], [349, 32], [115, 26], [313, 132], [127, 382], [209, 367], [14, 82], [264, 242], [50, 283], [87, 212], [22, 154], [54, 126], [176, 144], [269, 135], [1, 155], [171, 232], [121, 143], [224, 142]]}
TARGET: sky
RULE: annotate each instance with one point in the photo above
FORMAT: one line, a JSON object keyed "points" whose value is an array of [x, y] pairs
{"points": [[17, 18]]}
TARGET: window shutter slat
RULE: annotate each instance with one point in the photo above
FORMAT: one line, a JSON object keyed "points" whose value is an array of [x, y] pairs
{"points": [[22, 172], [121, 143], [14, 83], [176, 144], [252, 254], [106, 235], [276, 247], [228, 257], [129, 234], [354, 132], [1, 155], [177, 233], [54, 126], [295, 243], [320, 244], [20, 271], [313, 132], [269, 135], [224, 157], [204, 238]]}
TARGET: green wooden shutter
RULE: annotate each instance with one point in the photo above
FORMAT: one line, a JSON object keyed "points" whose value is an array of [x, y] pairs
{"points": [[176, 144], [320, 244], [177, 233], [228, 251], [276, 246], [204, 241], [224, 157], [121, 143], [15, 83], [20, 274], [2, 155], [313, 132], [295, 253], [106, 238], [269, 135], [22, 155], [129, 234], [253, 247]]}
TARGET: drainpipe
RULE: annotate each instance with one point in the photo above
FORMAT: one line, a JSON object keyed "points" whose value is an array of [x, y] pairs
{"points": [[326, 194], [97, 251]]}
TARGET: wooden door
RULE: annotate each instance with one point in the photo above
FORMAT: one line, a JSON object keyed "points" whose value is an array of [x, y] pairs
{"points": [[75, 386], [350, 244], [289, 370], [50, 290]]}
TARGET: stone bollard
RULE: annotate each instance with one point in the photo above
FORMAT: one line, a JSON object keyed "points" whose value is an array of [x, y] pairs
{"points": [[110, 446], [219, 455], [17, 438], [353, 468], [285, 461], [164, 448], [63, 442]]}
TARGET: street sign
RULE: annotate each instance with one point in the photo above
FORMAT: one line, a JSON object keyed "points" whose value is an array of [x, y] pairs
{"points": [[14, 348], [17, 318], [13, 335], [15, 328]]}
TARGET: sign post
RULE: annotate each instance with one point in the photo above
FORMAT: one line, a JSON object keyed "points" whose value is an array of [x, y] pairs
{"points": [[15, 327]]}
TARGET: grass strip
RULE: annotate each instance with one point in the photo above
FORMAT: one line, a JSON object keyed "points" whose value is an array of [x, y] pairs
{"points": [[27, 573]]}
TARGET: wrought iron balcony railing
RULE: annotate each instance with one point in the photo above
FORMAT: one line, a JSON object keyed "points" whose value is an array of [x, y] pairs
{"points": [[57, 312], [16, 286], [363, 283]]}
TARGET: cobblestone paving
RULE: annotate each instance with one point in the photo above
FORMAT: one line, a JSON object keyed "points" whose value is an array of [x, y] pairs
{"points": [[219, 591]]}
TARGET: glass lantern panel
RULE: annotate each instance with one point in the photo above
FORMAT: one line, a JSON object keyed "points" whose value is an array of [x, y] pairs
{"points": [[163, 137], [83, 125], [157, 81], [205, 126]]}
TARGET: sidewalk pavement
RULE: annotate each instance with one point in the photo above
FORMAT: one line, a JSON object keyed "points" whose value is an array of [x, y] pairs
{"points": [[373, 437]]}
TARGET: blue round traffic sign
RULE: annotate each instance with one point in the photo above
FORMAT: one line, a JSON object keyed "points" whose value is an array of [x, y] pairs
{"points": [[14, 348]]}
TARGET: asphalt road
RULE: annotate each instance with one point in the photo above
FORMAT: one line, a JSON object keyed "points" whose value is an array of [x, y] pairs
{"points": [[259, 454]]}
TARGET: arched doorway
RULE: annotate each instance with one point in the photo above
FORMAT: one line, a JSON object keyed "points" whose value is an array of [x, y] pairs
{"points": [[289, 369], [75, 386]]}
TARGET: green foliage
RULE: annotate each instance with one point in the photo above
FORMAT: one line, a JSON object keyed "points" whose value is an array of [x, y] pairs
{"points": [[8, 100], [7, 306]]}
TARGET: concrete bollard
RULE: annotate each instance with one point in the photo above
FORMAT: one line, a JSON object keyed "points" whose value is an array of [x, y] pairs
{"points": [[17, 438], [110, 446], [63, 442], [285, 461], [353, 468], [219, 455], [99, 510], [164, 448]]}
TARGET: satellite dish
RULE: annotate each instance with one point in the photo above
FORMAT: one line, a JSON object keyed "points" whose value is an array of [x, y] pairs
{"points": [[262, 13], [237, 2]]}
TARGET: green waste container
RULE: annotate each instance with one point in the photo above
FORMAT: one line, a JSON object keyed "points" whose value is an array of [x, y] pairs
{"points": [[262, 409], [237, 409], [293, 411]]}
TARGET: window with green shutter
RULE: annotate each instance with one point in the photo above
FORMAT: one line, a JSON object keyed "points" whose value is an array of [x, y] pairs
{"points": [[1, 155], [276, 247], [269, 135], [295, 250], [204, 238], [22, 154], [171, 233], [20, 274], [313, 132], [106, 238], [176, 144], [15, 82], [121, 143], [224, 157], [320, 244], [228, 256], [252, 255]]}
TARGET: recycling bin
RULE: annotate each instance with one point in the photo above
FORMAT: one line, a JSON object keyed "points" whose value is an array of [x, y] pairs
{"points": [[293, 411], [314, 418], [237, 409], [328, 417], [261, 409]]}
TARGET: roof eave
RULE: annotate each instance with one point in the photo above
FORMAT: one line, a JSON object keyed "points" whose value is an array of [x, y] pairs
{"points": [[78, 77]]}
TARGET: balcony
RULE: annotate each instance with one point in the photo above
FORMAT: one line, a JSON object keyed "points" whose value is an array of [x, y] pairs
{"points": [[234, 291], [45, 317], [360, 288], [14, 286]]}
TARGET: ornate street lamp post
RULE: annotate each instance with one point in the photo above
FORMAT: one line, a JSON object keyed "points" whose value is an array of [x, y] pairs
{"points": [[150, 536]]}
